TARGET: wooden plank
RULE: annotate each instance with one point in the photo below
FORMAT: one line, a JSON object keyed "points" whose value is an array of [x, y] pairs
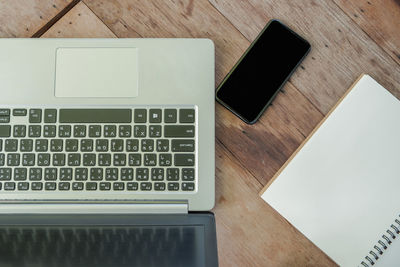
{"points": [[379, 19], [21, 18], [263, 147], [250, 232], [341, 51], [79, 22]]}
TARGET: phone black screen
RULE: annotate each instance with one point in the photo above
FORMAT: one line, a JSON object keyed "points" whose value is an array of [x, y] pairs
{"points": [[262, 71]]}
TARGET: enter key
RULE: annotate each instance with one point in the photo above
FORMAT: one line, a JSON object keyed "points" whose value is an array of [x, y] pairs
{"points": [[183, 145]]}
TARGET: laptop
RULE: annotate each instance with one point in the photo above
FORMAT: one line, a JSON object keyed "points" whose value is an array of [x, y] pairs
{"points": [[107, 140]]}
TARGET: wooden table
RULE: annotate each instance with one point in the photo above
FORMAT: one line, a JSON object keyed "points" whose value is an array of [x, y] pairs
{"points": [[348, 38]]}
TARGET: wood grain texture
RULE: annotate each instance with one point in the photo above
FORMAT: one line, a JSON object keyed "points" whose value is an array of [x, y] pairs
{"points": [[21, 18], [341, 51], [379, 19], [79, 22]]}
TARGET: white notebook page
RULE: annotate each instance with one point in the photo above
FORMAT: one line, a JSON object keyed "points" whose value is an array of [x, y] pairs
{"points": [[341, 190]]}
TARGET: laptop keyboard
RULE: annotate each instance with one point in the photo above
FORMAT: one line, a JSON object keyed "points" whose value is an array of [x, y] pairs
{"points": [[85, 149]]}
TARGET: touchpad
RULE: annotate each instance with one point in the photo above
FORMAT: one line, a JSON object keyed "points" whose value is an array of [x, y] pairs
{"points": [[96, 72]]}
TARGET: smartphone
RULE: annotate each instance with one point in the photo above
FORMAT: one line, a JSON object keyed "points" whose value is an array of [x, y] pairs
{"points": [[261, 72]]}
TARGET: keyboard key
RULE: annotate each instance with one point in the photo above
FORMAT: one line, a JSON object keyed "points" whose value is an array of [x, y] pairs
{"points": [[155, 115], [165, 160], [4, 119], [159, 186], [188, 186], [81, 174], [105, 186], [50, 174], [142, 174], [117, 145], [132, 186], [4, 112], [182, 145], [104, 159], [147, 145], [184, 159], [172, 174], [20, 174], [64, 186], [5, 174], [19, 112], [79, 130], [13, 159], [2, 159], [41, 145], [145, 186], [187, 174], [71, 145], [96, 174], [64, 131], [11, 145], [77, 186], [26, 145], [110, 131], [49, 131], [140, 116], [155, 131], [74, 159], [28, 159], [186, 115], [50, 186], [157, 174], [126, 174], [37, 186], [1, 144], [101, 145], [95, 115], [132, 145], [134, 159], [179, 131], [86, 145], [162, 145], [23, 186], [9, 186], [173, 186], [170, 115], [35, 174], [119, 159], [89, 159], [118, 186], [19, 131], [43, 159], [139, 131], [150, 159], [50, 115], [65, 174], [91, 186], [56, 145], [111, 174], [95, 131], [125, 131], [35, 116], [58, 159], [34, 130]]}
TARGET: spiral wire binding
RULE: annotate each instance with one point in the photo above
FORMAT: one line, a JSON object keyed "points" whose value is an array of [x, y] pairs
{"points": [[383, 244]]}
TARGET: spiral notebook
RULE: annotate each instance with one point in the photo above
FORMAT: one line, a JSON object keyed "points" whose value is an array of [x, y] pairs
{"points": [[341, 188]]}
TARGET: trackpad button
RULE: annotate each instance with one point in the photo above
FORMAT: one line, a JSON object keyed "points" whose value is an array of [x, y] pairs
{"points": [[96, 72]]}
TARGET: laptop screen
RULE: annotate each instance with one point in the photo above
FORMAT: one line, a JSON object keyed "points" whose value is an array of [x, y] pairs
{"points": [[108, 240], [161, 245]]}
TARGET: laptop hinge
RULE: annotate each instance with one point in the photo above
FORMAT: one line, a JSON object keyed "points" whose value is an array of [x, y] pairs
{"points": [[93, 207]]}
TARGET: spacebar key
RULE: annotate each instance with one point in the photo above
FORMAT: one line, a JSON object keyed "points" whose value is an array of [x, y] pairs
{"points": [[95, 115], [179, 131]]}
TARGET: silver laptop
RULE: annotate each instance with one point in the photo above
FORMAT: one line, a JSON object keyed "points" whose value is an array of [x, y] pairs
{"points": [[106, 125]]}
